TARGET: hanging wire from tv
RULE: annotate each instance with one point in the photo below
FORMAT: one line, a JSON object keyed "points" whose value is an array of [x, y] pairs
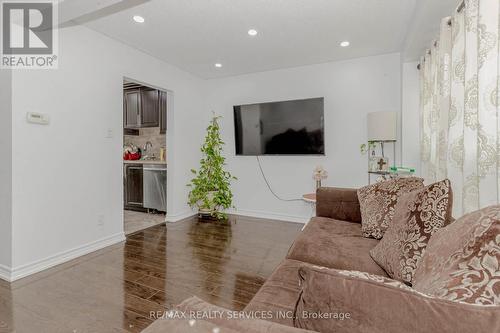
{"points": [[269, 186]]}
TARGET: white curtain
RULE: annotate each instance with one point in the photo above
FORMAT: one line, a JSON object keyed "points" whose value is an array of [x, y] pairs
{"points": [[460, 121]]}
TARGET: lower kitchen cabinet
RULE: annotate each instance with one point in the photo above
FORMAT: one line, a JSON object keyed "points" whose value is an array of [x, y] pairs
{"points": [[133, 186]]}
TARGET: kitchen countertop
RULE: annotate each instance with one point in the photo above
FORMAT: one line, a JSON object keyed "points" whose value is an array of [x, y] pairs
{"points": [[144, 162]]}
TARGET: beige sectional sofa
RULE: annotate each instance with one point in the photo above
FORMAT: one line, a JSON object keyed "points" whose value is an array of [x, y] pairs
{"points": [[372, 301]]}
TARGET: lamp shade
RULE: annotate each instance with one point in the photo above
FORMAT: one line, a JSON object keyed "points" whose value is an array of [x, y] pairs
{"points": [[382, 126]]}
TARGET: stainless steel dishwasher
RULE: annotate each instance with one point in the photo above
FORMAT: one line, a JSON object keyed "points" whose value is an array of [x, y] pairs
{"points": [[155, 187]]}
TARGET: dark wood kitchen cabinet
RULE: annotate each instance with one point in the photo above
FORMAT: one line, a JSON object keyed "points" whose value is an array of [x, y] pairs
{"points": [[163, 111], [141, 108], [149, 115], [131, 108], [133, 179]]}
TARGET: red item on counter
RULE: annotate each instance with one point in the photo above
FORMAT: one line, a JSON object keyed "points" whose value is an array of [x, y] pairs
{"points": [[134, 156], [128, 156]]}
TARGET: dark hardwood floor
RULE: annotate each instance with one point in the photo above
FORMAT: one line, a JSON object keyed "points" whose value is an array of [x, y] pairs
{"points": [[114, 289]]}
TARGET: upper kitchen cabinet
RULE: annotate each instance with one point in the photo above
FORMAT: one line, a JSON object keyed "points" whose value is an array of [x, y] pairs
{"points": [[149, 108], [141, 108], [163, 111], [131, 108]]}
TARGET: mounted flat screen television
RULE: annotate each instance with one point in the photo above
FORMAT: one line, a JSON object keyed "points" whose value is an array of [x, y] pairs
{"points": [[280, 128]]}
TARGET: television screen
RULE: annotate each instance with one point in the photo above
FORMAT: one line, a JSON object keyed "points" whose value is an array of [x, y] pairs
{"points": [[280, 128]]}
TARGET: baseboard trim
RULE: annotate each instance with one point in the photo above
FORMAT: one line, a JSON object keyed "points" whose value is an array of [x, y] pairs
{"points": [[5, 273], [243, 212], [179, 217], [271, 216], [40, 265]]}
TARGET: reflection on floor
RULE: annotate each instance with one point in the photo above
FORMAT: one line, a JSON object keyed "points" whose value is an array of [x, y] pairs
{"points": [[135, 221], [114, 290]]}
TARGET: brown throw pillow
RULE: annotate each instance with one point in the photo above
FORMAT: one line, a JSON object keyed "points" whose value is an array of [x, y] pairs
{"points": [[377, 202], [462, 261], [418, 216], [333, 301]]}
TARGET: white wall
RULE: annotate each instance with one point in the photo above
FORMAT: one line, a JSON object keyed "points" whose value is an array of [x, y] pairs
{"points": [[5, 171], [411, 116], [68, 174], [351, 89]]}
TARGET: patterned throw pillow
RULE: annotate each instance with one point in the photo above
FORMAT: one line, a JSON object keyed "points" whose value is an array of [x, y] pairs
{"points": [[377, 279], [377, 202], [377, 304], [418, 216], [462, 261]]}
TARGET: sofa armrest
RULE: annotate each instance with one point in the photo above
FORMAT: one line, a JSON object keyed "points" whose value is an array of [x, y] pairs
{"points": [[378, 304], [338, 203]]}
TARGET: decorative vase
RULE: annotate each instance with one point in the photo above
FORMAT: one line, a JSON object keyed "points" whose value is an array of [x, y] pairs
{"points": [[319, 174]]}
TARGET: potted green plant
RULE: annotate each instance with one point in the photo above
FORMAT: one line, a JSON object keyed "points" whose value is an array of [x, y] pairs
{"points": [[370, 146], [211, 186]]}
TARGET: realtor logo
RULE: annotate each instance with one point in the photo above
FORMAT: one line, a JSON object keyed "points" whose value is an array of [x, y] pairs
{"points": [[29, 34]]}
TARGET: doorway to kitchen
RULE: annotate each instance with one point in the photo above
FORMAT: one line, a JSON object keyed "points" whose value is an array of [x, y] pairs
{"points": [[145, 111]]}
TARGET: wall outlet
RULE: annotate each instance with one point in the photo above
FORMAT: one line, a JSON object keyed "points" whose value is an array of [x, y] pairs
{"points": [[100, 220], [37, 118], [109, 133]]}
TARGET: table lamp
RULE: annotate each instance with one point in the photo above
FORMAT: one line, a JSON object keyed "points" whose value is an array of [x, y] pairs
{"points": [[382, 126]]}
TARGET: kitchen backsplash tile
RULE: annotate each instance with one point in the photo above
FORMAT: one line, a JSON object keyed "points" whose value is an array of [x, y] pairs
{"points": [[151, 134]]}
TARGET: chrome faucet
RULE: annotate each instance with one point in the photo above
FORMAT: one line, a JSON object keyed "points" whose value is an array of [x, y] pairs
{"points": [[147, 146]]}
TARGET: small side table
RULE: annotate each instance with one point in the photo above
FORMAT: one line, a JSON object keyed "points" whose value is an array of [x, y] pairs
{"points": [[310, 198]]}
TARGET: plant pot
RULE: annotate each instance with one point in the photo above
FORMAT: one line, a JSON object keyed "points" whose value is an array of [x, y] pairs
{"points": [[204, 214], [207, 211]]}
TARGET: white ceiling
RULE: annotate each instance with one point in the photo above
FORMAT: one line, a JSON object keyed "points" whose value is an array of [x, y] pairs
{"points": [[196, 34], [424, 28]]}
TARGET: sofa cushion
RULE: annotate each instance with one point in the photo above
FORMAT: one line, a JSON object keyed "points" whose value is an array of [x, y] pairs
{"points": [[377, 203], [462, 261], [418, 215], [204, 317], [335, 244], [379, 305], [279, 293]]}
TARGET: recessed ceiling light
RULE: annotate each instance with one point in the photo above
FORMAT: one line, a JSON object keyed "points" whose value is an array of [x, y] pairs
{"points": [[218, 65], [345, 43], [253, 32], [139, 19]]}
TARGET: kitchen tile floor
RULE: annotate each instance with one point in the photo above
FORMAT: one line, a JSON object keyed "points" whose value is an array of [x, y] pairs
{"points": [[135, 221]]}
